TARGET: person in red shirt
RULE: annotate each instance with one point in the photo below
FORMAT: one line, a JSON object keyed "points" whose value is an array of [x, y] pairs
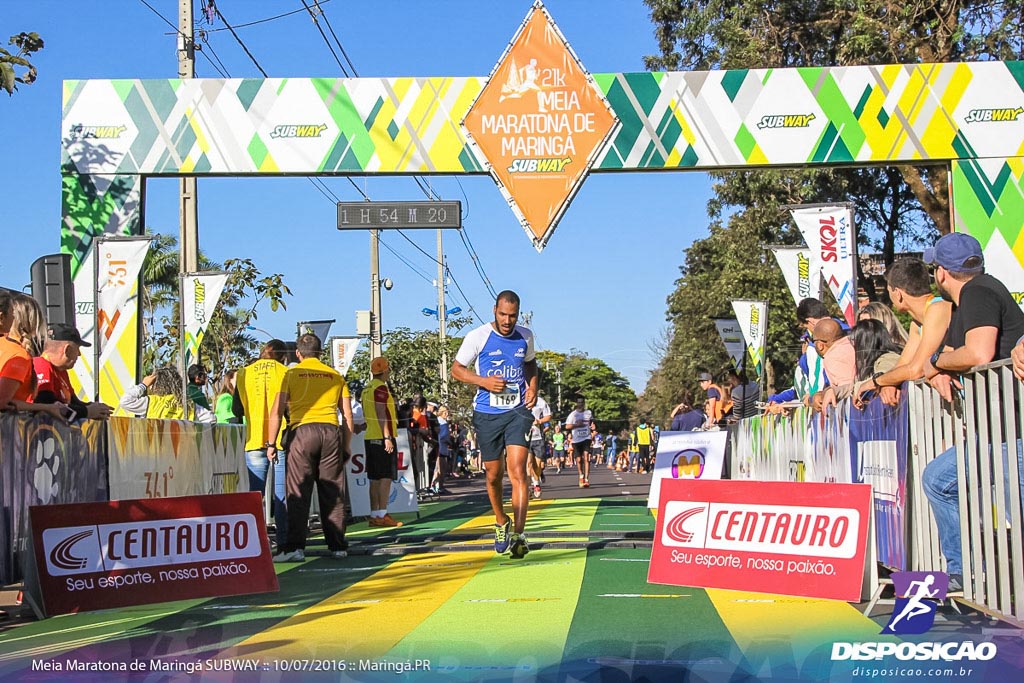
{"points": [[60, 353], [21, 337]]}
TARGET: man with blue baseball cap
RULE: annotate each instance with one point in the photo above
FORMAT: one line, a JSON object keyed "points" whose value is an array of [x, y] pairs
{"points": [[985, 325]]}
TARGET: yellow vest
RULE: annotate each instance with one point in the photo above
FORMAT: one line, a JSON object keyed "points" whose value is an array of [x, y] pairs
{"points": [[375, 390], [167, 407], [258, 384]]}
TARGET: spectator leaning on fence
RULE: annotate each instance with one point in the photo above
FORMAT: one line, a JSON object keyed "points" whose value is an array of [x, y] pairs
{"points": [[909, 284], [23, 337], [985, 326], [838, 355], [160, 397], [60, 353]]}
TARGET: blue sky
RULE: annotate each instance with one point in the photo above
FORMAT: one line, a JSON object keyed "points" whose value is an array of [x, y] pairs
{"points": [[599, 286]]}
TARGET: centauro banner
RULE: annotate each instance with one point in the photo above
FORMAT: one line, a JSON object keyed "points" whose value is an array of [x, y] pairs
{"points": [[732, 338], [753, 320], [539, 122], [201, 291], [802, 271], [343, 350], [829, 233]]}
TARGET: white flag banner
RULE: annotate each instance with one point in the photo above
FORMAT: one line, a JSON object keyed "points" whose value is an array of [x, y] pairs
{"points": [[732, 338], [321, 328], [687, 455], [829, 233], [200, 293], [802, 271], [753, 320], [343, 350], [119, 262]]}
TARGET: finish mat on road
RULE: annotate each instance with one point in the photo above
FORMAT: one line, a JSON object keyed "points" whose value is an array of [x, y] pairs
{"points": [[563, 612]]}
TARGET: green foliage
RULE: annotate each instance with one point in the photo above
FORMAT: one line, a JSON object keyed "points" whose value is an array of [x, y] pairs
{"points": [[227, 344], [415, 360], [607, 393], [895, 207], [10, 63]]}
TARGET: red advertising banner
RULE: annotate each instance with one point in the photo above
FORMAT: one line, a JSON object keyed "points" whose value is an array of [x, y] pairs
{"points": [[789, 538], [92, 556]]}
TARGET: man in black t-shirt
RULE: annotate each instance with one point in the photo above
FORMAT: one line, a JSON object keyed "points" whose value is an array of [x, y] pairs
{"points": [[985, 325]]}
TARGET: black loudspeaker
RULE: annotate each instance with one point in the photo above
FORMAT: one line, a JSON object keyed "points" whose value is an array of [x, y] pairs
{"points": [[53, 289]]}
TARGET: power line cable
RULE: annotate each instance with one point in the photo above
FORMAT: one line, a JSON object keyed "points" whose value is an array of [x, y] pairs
{"points": [[405, 261], [177, 31], [267, 19], [323, 35], [226, 24]]}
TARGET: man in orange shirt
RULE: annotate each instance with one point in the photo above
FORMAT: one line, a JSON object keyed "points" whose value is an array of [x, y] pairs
{"points": [[60, 353]]}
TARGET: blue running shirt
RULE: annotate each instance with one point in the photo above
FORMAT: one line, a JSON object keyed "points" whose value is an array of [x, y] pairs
{"points": [[498, 356]]}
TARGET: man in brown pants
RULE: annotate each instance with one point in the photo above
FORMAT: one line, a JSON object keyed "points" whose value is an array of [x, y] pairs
{"points": [[314, 394]]}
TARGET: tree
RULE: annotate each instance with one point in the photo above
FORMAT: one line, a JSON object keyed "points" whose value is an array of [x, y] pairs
{"points": [[893, 205], [747, 34], [606, 391], [415, 360], [226, 342], [27, 44]]}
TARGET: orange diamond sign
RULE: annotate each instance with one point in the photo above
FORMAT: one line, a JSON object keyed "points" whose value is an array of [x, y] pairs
{"points": [[539, 122]]}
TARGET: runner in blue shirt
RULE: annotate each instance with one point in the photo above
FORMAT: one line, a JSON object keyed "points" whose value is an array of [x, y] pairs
{"points": [[502, 357]]}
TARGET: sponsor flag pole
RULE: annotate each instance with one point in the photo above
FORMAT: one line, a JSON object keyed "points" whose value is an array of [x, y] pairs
{"points": [[829, 232]]}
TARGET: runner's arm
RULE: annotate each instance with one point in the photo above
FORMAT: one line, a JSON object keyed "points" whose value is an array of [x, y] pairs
{"points": [[530, 369], [463, 374]]}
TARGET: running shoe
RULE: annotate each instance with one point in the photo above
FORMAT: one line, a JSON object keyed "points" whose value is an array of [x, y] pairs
{"points": [[388, 520], [293, 556], [586, 483], [581, 482], [536, 490], [501, 536], [339, 554], [519, 546]]}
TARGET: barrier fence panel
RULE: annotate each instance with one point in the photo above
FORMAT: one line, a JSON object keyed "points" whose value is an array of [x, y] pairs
{"points": [[165, 458], [930, 434], [990, 494], [44, 461]]}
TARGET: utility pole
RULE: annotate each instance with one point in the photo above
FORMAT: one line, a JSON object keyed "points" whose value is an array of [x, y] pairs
{"points": [[375, 335], [442, 332], [188, 233]]}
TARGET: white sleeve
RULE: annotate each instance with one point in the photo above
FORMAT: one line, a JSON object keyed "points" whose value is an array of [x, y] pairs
{"points": [[546, 411], [470, 348], [530, 353], [135, 400], [204, 416]]}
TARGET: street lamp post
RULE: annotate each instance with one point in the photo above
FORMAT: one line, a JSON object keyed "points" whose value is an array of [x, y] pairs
{"points": [[442, 321]]}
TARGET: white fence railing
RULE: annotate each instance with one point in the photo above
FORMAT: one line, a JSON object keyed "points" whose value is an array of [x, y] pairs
{"points": [[982, 428]]}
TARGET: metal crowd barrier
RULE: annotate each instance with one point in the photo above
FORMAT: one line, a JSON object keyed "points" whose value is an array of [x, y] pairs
{"points": [[984, 421], [984, 426]]}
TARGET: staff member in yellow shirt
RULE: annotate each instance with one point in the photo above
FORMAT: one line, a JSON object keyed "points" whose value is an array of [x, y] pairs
{"points": [[381, 448], [313, 393], [256, 387]]}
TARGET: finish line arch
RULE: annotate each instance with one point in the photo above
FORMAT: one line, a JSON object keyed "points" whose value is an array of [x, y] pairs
{"points": [[118, 133]]}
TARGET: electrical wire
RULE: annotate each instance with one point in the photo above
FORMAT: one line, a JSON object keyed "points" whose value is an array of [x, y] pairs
{"points": [[178, 32], [324, 36], [267, 19], [226, 24]]}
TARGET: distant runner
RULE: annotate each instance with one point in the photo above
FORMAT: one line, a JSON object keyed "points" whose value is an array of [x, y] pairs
{"points": [[579, 422], [502, 356], [541, 418]]}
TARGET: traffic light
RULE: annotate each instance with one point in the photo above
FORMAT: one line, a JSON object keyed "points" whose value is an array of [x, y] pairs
{"points": [[53, 289]]}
